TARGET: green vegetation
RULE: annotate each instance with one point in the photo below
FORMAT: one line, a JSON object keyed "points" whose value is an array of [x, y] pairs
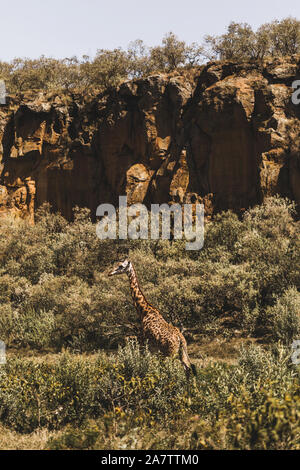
{"points": [[88, 388], [55, 292], [240, 42], [108, 68], [111, 67], [133, 399]]}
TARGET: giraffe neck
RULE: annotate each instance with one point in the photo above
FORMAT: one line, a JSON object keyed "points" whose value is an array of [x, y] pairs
{"points": [[138, 297]]}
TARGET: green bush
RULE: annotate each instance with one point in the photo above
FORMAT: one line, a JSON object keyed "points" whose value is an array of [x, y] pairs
{"points": [[132, 399], [283, 318], [58, 270], [27, 329], [73, 390]]}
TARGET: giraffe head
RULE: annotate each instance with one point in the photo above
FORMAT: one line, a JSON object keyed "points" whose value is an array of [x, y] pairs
{"points": [[122, 268]]}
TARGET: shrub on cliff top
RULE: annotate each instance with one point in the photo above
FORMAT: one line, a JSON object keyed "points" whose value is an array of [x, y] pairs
{"points": [[112, 67]]}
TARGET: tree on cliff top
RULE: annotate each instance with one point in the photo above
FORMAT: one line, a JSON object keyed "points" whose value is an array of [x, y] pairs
{"points": [[234, 45], [284, 36], [108, 68], [112, 67], [240, 42], [174, 53]]}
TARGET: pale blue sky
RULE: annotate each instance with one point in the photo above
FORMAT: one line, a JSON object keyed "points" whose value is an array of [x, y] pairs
{"points": [[62, 28]]}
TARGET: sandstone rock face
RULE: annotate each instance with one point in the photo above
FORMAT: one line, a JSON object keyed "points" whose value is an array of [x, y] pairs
{"points": [[227, 139]]}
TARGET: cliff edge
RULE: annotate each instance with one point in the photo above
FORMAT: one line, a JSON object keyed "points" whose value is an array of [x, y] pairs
{"points": [[226, 138]]}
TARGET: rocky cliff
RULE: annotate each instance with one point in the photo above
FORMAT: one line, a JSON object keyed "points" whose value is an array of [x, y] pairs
{"points": [[226, 138]]}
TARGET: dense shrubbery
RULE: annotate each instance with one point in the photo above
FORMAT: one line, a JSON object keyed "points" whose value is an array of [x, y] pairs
{"points": [[111, 67], [132, 399], [74, 389], [54, 289], [55, 293], [108, 67]]}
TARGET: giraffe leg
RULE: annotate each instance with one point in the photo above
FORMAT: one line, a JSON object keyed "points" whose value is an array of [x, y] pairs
{"points": [[189, 368]]}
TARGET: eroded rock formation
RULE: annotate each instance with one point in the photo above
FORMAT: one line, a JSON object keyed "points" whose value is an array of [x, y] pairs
{"points": [[227, 139]]}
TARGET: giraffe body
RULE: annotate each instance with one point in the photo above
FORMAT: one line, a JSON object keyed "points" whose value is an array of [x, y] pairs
{"points": [[161, 336]]}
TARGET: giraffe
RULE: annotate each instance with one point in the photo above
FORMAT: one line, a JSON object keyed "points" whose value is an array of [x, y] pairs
{"points": [[161, 335]]}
